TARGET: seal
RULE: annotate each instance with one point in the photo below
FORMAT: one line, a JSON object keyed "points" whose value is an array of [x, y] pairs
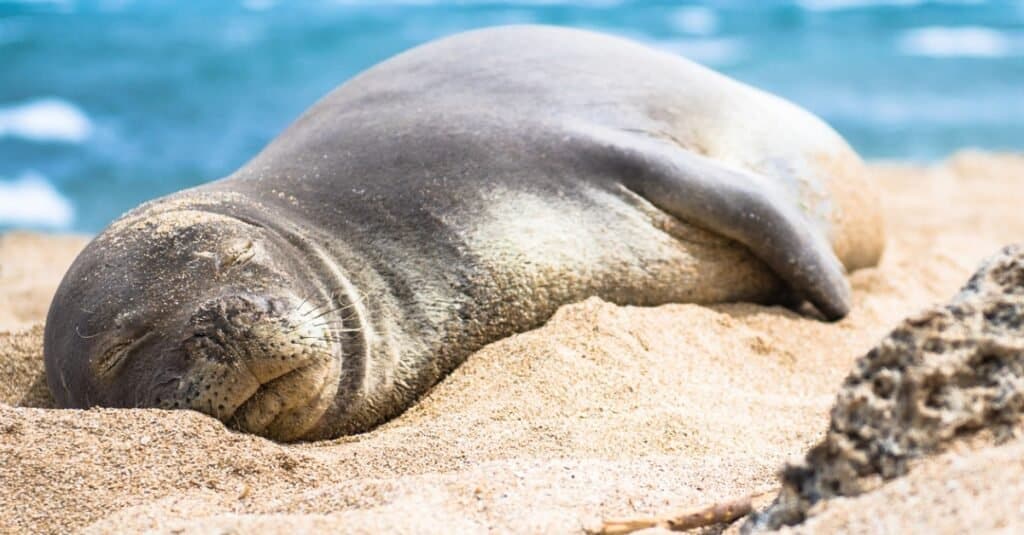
{"points": [[453, 195]]}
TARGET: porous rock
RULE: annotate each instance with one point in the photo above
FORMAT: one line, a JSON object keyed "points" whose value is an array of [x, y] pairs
{"points": [[950, 373]]}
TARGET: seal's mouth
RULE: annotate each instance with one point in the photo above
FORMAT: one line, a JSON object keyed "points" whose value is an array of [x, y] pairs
{"points": [[287, 407], [272, 388], [263, 365]]}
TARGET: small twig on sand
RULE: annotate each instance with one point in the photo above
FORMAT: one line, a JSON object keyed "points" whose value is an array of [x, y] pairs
{"points": [[717, 513]]}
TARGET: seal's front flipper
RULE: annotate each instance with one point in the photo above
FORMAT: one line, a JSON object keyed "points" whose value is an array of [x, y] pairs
{"points": [[738, 204]]}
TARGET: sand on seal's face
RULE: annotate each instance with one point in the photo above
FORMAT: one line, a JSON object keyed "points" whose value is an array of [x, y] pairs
{"points": [[605, 411]]}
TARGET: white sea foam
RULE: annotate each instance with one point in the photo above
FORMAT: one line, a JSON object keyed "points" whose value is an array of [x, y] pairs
{"points": [[58, 6], [46, 119], [55, 2], [258, 5], [934, 109], [114, 6], [696, 20], [518, 3], [30, 200], [717, 51], [964, 41], [840, 5]]}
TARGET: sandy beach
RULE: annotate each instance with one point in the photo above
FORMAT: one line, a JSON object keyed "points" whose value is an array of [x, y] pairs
{"points": [[603, 412]]}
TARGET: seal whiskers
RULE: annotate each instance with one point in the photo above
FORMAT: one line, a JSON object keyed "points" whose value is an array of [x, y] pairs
{"points": [[255, 366]]}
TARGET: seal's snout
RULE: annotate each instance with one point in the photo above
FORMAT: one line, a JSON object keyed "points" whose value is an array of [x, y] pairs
{"points": [[262, 365], [243, 330]]}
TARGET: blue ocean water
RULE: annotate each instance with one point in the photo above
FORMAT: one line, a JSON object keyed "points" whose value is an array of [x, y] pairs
{"points": [[106, 103]]}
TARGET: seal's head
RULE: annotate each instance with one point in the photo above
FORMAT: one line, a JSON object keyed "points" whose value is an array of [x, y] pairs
{"points": [[193, 309]]}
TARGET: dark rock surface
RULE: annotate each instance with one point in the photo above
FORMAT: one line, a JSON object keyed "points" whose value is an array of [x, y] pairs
{"points": [[952, 372]]}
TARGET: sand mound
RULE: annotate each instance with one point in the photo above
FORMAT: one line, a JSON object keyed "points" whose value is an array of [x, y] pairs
{"points": [[605, 411]]}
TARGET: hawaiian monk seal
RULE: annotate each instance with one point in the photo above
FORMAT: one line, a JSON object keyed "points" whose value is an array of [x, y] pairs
{"points": [[451, 196]]}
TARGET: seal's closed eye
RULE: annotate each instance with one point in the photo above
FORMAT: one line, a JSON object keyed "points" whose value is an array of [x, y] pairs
{"points": [[109, 360], [237, 253]]}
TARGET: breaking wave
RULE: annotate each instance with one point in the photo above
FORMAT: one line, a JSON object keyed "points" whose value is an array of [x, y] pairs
{"points": [[965, 41], [46, 120], [30, 200]]}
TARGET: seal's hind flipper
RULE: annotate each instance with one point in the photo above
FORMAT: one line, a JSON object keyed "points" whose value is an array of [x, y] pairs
{"points": [[738, 204]]}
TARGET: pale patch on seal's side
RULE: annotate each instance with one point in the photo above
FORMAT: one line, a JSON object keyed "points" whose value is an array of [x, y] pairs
{"points": [[629, 251]]}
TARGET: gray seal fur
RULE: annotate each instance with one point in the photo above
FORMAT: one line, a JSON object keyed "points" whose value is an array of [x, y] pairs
{"points": [[453, 195]]}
